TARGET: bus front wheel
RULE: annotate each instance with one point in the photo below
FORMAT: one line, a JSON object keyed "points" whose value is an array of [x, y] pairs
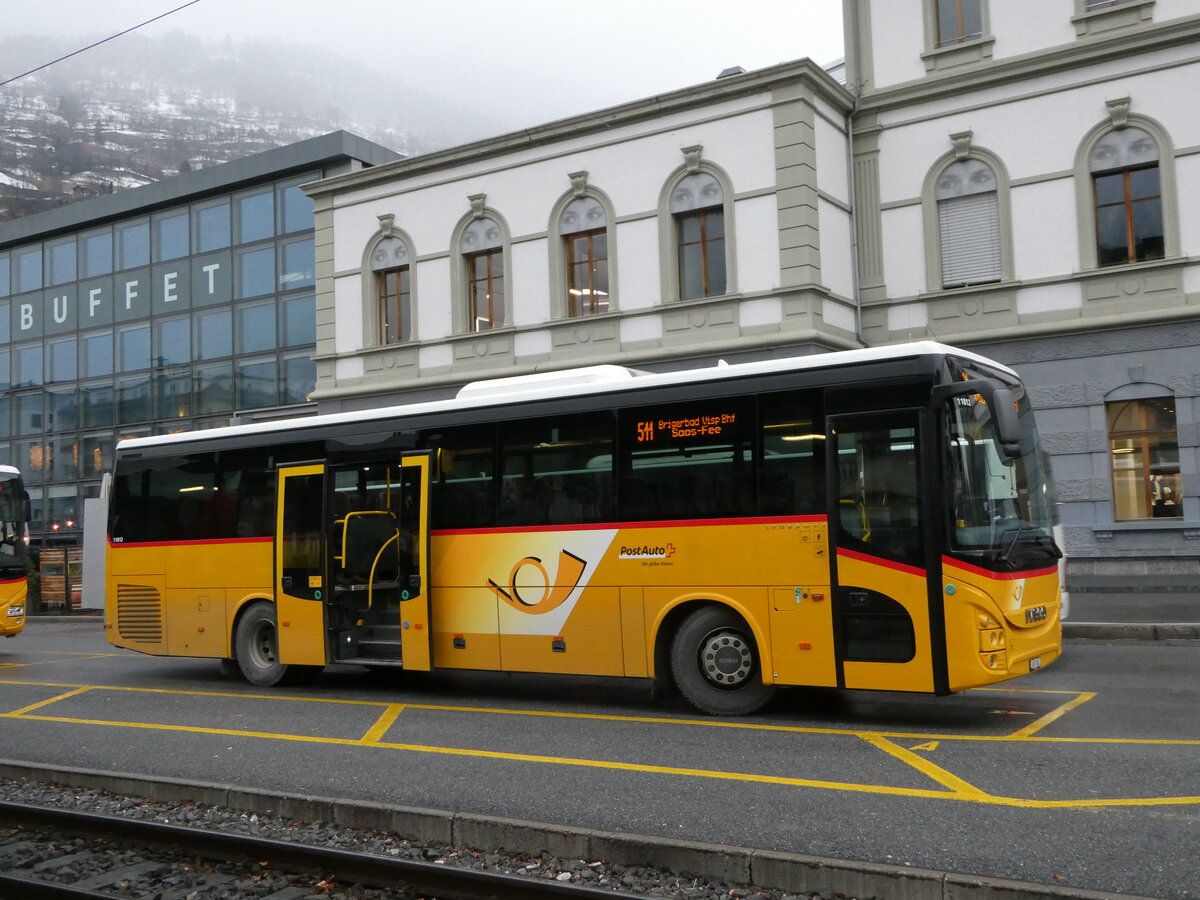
{"points": [[716, 664], [257, 642]]}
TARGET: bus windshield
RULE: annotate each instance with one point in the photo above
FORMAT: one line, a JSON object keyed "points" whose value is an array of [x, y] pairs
{"points": [[12, 525], [1000, 506]]}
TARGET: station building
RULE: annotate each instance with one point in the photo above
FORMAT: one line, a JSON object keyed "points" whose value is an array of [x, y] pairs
{"points": [[1022, 174], [178, 305], [1006, 176]]}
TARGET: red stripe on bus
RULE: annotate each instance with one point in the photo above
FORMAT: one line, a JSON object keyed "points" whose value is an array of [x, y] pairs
{"points": [[629, 526], [878, 561], [12, 580], [205, 543], [999, 576]]}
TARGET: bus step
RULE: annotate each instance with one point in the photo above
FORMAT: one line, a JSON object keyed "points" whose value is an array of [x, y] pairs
{"points": [[378, 650], [372, 663]]}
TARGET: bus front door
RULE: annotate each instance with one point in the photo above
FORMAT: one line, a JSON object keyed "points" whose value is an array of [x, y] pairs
{"points": [[882, 622], [300, 585]]}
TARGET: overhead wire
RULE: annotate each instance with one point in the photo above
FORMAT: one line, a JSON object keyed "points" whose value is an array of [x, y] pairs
{"points": [[98, 43]]}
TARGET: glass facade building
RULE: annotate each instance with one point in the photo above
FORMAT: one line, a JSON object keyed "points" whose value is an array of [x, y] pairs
{"points": [[176, 306]]}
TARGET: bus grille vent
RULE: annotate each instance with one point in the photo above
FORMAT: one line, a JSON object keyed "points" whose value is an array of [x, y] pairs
{"points": [[139, 613]]}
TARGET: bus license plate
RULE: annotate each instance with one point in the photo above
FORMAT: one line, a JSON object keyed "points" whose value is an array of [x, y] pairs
{"points": [[1035, 664]]}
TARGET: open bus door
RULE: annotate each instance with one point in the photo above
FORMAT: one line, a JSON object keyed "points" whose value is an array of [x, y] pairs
{"points": [[883, 618], [378, 559], [352, 564], [416, 638], [300, 582]]}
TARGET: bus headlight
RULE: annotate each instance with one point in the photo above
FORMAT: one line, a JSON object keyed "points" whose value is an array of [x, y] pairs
{"points": [[992, 639]]}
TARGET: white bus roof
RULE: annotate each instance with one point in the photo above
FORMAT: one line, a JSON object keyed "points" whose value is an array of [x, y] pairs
{"points": [[9, 471], [580, 381]]}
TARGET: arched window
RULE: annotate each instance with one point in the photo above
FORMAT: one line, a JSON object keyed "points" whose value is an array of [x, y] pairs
{"points": [[482, 248], [968, 222], [1127, 196], [1144, 455], [393, 290], [583, 227], [697, 207]]}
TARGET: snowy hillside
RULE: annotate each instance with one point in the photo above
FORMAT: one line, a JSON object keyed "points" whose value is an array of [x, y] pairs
{"points": [[133, 113]]}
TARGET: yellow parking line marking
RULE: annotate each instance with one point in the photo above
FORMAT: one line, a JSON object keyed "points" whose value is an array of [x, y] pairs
{"points": [[79, 657], [958, 789], [382, 724], [973, 797], [642, 720], [1045, 720], [924, 766], [21, 712]]}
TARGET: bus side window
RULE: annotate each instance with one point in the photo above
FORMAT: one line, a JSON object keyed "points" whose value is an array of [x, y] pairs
{"points": [[247, 508], [557, 470], [688, 460], [300, 561], [464, 492], [792, 471], [878, 497]]}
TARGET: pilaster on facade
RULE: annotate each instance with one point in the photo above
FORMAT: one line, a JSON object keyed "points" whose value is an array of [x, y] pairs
{"points": [[796, 192], [868, 217]]}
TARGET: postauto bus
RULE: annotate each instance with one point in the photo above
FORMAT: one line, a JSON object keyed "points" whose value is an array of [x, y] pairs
{"points": [[874, 519], [14, 513]]}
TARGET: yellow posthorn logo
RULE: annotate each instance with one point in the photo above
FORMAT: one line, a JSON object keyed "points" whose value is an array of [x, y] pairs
{"points": [[529, 578]]}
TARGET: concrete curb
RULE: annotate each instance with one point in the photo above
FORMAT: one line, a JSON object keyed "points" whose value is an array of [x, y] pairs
{"points": [[773, 870], [1132, 631]]}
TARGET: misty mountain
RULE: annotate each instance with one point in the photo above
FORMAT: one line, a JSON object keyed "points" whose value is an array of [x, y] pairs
{"points": [[141, 109]]}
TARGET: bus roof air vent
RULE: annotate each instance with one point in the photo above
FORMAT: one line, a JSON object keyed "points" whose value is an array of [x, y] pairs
{"points": [[547, 382]]}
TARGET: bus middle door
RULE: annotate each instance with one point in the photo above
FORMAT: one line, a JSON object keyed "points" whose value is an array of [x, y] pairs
{"points": [[378, 560], [882, 619]]}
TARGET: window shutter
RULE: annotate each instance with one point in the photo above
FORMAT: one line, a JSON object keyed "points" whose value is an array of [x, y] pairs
{"points": [[969, 232]]}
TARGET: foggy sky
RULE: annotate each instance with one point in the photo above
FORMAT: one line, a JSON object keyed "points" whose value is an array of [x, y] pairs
{"points": [[524, 61]]}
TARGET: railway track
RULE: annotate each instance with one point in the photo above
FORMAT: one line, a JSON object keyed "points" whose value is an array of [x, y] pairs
{"points": [[56, 853]]}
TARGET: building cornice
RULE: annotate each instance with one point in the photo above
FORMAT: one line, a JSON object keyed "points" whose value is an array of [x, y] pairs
{"points": [[998, 73], [818, 83]]}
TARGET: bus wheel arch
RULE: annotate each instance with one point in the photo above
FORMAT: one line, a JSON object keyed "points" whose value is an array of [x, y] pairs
{"points": [[716, 659]]}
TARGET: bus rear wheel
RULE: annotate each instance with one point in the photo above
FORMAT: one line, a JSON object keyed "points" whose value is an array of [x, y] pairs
{"points": [[257, 643], [715, 662]]}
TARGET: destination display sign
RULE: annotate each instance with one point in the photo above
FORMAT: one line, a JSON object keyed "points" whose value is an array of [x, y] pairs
{"points": [[668, 428]]}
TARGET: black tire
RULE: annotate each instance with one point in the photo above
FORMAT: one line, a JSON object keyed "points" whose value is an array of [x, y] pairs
{"points": [[257, 643], [716, 663]]}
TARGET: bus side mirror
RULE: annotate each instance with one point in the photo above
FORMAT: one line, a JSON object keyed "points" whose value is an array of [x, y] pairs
{"points": [[1008, 428], [28, 509], [1002, 407]]}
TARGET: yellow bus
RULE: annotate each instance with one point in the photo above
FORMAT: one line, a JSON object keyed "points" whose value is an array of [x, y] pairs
{"points": [[14, 513], [874, 519]]}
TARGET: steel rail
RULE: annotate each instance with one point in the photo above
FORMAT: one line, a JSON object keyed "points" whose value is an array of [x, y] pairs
{"points": [[379, 871]]}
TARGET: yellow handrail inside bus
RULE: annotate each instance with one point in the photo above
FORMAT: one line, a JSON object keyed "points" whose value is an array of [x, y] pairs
{"points": [[371, 577]]}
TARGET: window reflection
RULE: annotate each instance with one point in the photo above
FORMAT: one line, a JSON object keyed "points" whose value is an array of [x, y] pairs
{"points": [[1144, 454]]}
